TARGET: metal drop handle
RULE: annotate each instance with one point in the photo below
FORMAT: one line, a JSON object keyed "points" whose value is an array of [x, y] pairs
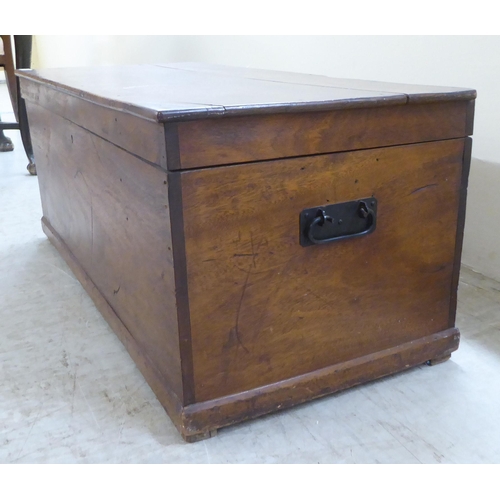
{"points": [[351, 219]]}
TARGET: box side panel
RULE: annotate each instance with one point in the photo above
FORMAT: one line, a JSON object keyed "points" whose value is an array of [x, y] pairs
{"points": [[237, 140], [264, 308], [110, 209], [460, 228]]}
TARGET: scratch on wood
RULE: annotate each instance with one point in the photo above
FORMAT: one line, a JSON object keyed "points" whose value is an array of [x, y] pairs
{"points": [[423, 187], [238, 312], [326, 301], [248, 271], [439, 268], [235, 330], [253, 252], [234, 333]]}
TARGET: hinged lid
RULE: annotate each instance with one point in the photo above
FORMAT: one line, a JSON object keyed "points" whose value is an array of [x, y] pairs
{"points": [[187, 91]]}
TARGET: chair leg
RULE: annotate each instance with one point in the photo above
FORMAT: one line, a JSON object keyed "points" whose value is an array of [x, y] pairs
{"points": [[23, 44], [7, 62], [9, 67], [26, 137], [5, 143]]}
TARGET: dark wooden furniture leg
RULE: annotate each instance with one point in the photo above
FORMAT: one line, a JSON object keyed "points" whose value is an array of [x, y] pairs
{"points": [[23, 44], [5, 143], [7, 61]]}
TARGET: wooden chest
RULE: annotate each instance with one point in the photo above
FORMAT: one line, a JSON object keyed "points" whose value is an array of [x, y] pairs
{"points": [[256, 239]]}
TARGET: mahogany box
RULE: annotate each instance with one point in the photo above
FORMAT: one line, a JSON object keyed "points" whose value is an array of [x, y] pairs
{"points": [[256, 239]]}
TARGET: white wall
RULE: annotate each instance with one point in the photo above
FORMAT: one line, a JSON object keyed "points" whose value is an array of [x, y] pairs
{"points": [[463, 61], [50, 51]]}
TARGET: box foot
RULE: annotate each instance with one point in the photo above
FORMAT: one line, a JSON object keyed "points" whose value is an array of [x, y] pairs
{"points": [[194, 438], [439, 359]]}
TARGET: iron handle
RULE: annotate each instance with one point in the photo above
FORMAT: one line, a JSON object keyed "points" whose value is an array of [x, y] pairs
{"points": [[322, 225], [319, 220]]}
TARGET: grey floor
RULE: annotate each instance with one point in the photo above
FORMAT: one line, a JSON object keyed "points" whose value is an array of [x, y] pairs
{"points": [[70, 393]]}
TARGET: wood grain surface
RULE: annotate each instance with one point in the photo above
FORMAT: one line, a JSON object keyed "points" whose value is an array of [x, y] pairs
{"points": [[161, 93], [200, 418], [245, 139], [414, 93], [264, 309], [464, 181], [135, 135]]}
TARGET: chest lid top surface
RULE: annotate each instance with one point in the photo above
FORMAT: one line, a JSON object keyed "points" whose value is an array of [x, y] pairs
{"points": [[187, 91]]}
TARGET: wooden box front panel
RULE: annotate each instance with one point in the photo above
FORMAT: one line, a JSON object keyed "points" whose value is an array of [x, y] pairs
{"points": [[264, 309]]}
